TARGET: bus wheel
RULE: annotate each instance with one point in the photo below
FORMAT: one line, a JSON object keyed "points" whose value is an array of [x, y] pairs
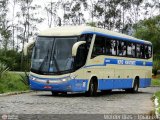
{"points": [[54, 93], [135, 87], [92, 88]]}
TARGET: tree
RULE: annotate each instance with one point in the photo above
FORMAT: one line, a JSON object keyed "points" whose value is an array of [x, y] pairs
{"points": [[66, 6], [149, 29], [28, 21], [92, 24], [13, 25], [108, 14], [52, 16], [151, 7], [74, 14], [4, 26], [125, 20], [136, 10], [156, 65]]}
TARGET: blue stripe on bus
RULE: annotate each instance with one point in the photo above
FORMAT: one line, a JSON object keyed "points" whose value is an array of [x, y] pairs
{"points": [[80, 85], [76, 85], [145, 82], [106, 84], [126, 62], [117, 37], [113, 61]]}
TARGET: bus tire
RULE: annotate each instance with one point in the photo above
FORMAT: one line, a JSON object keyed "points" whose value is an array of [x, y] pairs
{"points": [[54, 93], [92, 91], [135, 86]]}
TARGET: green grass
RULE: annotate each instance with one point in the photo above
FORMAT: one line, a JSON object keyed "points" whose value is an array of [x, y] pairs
{"points": [[156, 81], [157, 94], [11, 82]]}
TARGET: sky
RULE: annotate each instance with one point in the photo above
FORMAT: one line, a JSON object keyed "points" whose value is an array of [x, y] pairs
{"points": [[43, 13], [44, 3]]}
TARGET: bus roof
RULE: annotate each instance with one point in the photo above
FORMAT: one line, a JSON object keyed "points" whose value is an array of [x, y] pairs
{"points": [[79, 30]]}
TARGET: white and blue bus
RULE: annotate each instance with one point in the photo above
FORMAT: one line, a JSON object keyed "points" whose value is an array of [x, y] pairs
{"points": [[89, 59]]}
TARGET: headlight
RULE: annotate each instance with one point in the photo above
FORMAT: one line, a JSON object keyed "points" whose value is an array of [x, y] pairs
{"points": [[66, 79], [37, 80], [72, 76]]}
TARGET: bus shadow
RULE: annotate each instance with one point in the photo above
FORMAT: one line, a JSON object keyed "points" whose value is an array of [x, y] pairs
{"points": [[99, 94]]}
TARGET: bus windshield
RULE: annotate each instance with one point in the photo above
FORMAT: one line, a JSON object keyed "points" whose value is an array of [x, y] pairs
{"points": [[53, 55]]}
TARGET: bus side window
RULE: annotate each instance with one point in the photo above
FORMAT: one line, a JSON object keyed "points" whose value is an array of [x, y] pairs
{"points": [[114, 48], [142, 50], [88, 39], [121, 48], [138, 53], [148, 52], [131, 50], [108, 47], [99, 46]]}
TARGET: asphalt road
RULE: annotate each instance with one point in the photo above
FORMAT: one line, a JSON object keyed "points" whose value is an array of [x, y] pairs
{"points": [[117, 102]]}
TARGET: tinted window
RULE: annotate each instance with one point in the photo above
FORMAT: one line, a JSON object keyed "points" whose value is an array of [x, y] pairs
{"points": [[142, 51], [148, 52], [138, 53], [131, 49], [107, 46], [99, 46], [121, 48], [110, 47]]}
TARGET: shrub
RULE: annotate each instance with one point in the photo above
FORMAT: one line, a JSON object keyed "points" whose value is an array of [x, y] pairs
{"points": [[156, 65], [12, 82], [3, 69], [13, 59], [25, 78]]}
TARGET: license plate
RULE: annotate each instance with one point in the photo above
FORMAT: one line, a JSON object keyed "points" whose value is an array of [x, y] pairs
{"points": [[47, 87]]}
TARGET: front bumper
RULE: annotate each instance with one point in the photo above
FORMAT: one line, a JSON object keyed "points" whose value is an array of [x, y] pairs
{"points": [[70, 85]]}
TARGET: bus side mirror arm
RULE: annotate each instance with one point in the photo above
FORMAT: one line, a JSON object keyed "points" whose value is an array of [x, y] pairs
{"points": [[75, 47], [27, 46]]}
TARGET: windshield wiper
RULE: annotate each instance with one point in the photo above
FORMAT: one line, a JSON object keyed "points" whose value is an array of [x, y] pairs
{"points": [[56, 64], [54, 59], [45, 59]]}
